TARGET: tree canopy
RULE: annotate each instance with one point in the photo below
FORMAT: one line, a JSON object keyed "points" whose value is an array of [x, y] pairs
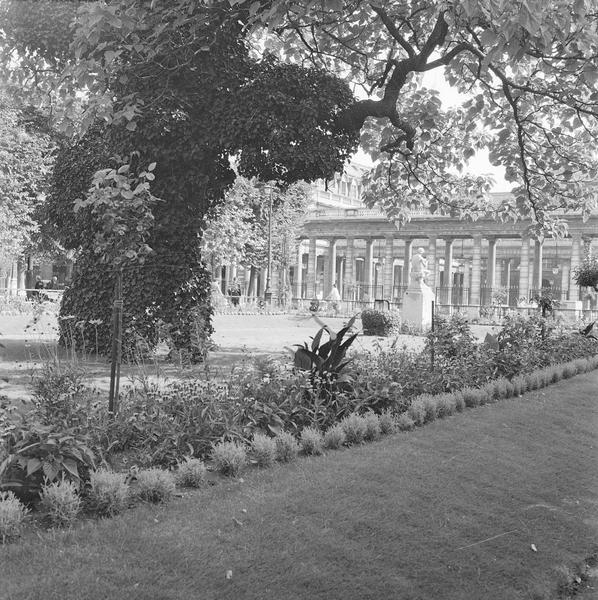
{"points": [[528, 69]]}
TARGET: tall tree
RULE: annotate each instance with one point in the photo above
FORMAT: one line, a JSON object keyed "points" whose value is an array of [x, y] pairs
{"points": [[179, 89], [529, 70]]}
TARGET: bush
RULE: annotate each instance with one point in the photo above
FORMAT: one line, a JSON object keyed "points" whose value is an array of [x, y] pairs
{"points": [[108, 493], [569, 370], [471, 397], [372, 426], [264, 450], [12, 515], [287, 447], [519, 385], [312, 442], [60, 502], [335, 437], [446, 405], [191, 472], [417, 411], [405, 422], [377, 322], [431, 407], [155, 485], [355, 428], [229, 458], [387, 423], [459, 401]]}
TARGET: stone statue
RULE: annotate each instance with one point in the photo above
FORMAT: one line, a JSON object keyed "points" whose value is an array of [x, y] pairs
{"points": [[419, 266]]}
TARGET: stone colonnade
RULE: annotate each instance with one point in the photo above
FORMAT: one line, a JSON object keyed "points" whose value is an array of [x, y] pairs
{"points": [[463, 270]]}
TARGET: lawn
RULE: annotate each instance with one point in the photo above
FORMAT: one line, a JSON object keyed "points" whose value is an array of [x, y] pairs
{"points": [[449, 511]]}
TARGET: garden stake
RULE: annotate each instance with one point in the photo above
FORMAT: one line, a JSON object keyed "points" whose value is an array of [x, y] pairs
{"points": [[432, 344], [117, 323]]}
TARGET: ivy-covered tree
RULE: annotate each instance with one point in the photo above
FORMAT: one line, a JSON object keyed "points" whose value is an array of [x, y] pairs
{"points": [[184, 92]]}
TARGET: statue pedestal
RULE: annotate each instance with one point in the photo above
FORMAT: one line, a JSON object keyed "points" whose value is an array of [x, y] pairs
{"points": [[417, 305]]}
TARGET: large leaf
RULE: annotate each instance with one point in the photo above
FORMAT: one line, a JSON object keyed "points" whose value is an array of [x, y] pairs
{"points": [[316, 341], [303, 359]]}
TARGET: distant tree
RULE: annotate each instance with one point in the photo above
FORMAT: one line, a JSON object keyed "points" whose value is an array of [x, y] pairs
{"points": [[25, 160], [237, 233]]}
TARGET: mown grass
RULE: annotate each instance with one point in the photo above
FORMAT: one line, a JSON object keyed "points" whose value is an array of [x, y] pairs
{"points": [[448, 511]]}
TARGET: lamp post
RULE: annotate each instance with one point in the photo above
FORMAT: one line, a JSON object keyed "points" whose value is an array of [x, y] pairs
{"points": [[268, 291]]}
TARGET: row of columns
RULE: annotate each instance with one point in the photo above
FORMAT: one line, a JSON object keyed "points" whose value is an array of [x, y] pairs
{"points": [[530, 274]]}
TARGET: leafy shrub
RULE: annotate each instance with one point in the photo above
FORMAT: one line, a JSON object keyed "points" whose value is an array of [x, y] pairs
{"points": [[12, 515], [446, 405], [372, 426], [287, 447], [471, 397], [264, 450], [57, 390], [405, 422], [229, 458], [191, 472], [60, 502], [155, 485], [556, 373], [387, 422], [334, 437], [519, 385], [533, 381], [451, 338], [36, 453], [355, 428], [326, 362], [459, 401], [431, 407], [377, 322], [108, 492], [569, 370], [417, 411], [312, 442], [581, 364]]}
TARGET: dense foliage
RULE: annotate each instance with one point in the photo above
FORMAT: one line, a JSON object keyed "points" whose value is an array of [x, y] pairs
{"points": [[277, 119], [379, 322], [25, 161], [159, 425]]}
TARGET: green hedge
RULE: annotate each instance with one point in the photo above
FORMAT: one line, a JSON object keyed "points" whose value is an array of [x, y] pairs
{"points": [[377, 322]]}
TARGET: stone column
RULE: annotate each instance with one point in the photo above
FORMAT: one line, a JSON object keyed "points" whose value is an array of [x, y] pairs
{"points": [[466, 282], [524, 269], [491, 271], [349, 286], [432, 263], [565, 274], [388, 268], [369, 257], [407, 262], [575, 261], [476, 270], [299, 272], [331, 266], [448, 269], [537, 280], [312, 264]]}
